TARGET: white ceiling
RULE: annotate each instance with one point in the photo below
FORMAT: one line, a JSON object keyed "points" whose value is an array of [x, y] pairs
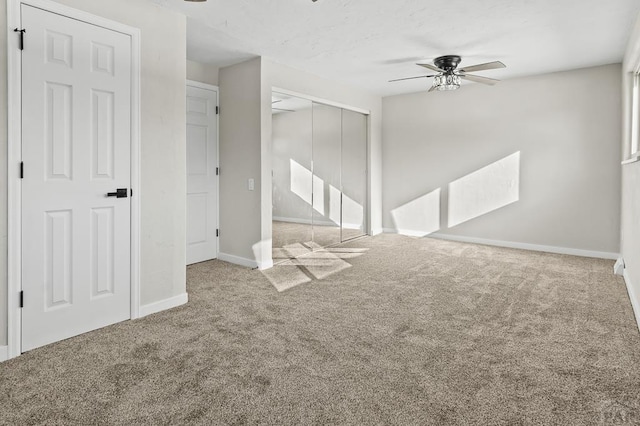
{"points": [[364, 43]]}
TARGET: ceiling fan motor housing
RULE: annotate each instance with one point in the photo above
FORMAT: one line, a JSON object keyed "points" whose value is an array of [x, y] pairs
{"points": [[447, 62]]}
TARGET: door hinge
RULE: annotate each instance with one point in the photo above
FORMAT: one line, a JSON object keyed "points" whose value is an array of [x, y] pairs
{"points": [[217, 171], [217, 110], [217, 232], [22, 299], [22, 170], [21, 45], [131, 190]]}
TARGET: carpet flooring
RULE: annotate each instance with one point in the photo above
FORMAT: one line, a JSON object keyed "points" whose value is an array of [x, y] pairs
{"points": [[404, 331]]}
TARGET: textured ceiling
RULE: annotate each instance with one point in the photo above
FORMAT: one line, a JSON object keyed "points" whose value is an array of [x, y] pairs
{"points": [[367, 42]]}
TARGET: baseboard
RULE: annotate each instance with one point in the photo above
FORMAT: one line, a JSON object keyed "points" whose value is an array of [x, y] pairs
{"points": [[407, 232], [516, 245], [4, 353], [265, 265], [303, 221], [377, 231], [163, 305], [635, 302], [237, 260]]}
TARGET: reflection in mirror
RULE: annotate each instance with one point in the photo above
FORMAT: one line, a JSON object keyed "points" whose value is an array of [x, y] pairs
{"points": [[354, 174], [292, 177], [319, 175], [327, 203]]}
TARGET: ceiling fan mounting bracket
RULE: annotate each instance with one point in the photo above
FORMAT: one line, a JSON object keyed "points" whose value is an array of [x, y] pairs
{"points": [[447, 62]]}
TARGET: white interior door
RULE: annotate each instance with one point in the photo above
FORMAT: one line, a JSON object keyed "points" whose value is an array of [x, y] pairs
{"points": [[202, 178], [76, 92]]}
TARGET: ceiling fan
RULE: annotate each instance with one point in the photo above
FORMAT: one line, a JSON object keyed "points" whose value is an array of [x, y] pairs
{"points": [[449, 76]]}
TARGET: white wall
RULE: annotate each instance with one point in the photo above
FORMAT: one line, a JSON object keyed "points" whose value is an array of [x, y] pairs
{"points": [[630, 226], [283, 77], [163, 150], [532, 160], [203, 73]]}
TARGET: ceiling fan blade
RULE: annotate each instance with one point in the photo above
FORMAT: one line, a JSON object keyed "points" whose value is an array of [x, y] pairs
{"points": [[478, 79], [431, 67], [276, 101], [411, 78], [482, 67], [285, 110]]}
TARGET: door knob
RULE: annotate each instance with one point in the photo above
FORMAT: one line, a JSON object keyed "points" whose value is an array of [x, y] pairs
{"points": [[120, 193]]}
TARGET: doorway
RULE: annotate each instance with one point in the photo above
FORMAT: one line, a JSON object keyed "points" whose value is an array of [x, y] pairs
{"points": [[73, 242], [202, 172], [319, 175]]}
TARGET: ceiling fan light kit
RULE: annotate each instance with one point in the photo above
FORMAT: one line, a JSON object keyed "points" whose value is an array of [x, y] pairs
{"points": [[447, 82]]}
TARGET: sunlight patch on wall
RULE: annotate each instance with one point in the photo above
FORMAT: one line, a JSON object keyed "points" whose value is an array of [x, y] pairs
{"points": [[419, 217], [485, 190], [318, 195], [300, 181], [334, 204], [352, 213]]}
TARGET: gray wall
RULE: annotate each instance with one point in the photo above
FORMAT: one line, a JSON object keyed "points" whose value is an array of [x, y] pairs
{"points": [[203, 73], [163, 152], [545, 151], [240, 159], [630, 232]]}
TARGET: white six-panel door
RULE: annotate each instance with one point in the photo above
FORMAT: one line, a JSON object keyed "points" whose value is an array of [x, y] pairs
{"points": [[76, 149], [202, 180]]}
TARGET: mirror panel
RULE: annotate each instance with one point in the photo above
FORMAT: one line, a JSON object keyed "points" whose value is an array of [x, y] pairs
{"points": [[327, 124], [354, 174], [292, 176]]}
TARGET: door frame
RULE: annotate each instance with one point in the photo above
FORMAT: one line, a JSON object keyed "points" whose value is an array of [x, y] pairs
{"points": [[14, 157], [211, 87]]}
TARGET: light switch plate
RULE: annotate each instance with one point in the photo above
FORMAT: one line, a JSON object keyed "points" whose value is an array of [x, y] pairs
{"points": [[251, 184]]}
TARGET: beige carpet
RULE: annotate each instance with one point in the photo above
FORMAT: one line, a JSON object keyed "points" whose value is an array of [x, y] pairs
{"points": [[412, 331]]}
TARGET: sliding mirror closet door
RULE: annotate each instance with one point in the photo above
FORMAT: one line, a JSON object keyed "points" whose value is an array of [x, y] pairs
{"points": [[354, 174], [292, 177], [327, 124]]}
